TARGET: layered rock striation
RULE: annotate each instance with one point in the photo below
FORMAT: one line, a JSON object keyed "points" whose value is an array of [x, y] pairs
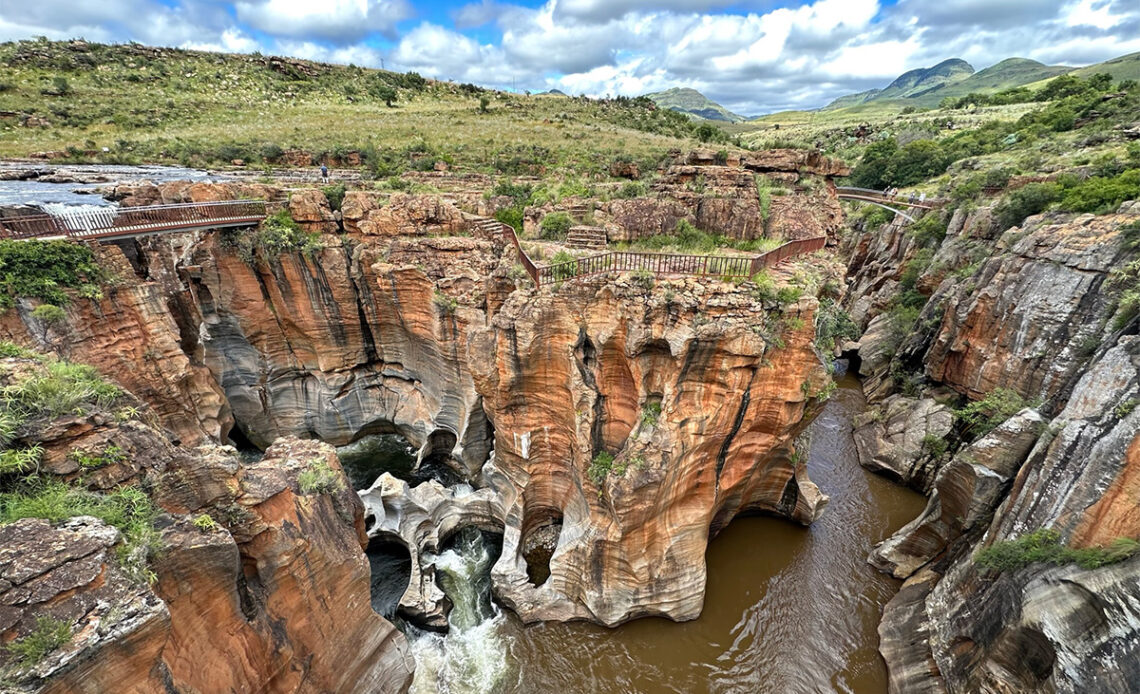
{"points": [[257, 580], [613, 427], [1026, 314], [1039, 628]]}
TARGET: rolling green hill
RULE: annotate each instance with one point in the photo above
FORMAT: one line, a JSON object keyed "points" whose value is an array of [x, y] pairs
{"points": [[694, 103], [1126, 67], [926, 87], [133, 103]]}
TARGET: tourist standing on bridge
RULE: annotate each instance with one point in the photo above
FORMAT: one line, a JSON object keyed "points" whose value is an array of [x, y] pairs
{"points": [[324, 173], [922, 198]]}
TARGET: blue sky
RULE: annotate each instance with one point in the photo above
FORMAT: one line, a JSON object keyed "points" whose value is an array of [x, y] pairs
{"points": [[753, 56]]}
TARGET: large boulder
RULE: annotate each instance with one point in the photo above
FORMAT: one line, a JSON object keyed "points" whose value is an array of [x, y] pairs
{"points": [[897, 438]]}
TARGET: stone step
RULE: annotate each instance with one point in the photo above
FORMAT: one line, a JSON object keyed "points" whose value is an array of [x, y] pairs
{"points": [[586, 237]]}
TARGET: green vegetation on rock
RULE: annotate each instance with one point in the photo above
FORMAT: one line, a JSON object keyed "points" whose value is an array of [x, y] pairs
{"points": [[48, 636], [46, 270], [980, 417], [600, 468], [1044, 546], [319, 478], [128, 508]]}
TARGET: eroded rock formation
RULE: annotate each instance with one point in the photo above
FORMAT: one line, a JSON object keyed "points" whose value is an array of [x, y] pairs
{"points": [[1041, 628], [1028, 310], [261, 583], [695, 389]]}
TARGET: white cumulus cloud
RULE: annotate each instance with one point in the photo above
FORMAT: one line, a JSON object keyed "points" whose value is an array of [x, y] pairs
{"points": [[338, 21]]}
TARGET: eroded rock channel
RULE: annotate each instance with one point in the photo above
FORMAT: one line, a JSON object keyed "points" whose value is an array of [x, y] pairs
{"points": [[592, 436]]}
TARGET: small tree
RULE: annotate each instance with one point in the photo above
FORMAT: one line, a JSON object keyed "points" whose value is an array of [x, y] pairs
{"points": [[383, 92], [49, 316], [484, 104]]}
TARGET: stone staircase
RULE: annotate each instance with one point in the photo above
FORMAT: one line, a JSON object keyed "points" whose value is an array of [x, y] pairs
{"points": [[485, 227], [580, 211], [586, 237]]}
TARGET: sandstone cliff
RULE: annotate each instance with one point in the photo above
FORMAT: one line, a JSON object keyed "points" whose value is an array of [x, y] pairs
{"points": [[1025, 310], [693, 391], [259, 583]]}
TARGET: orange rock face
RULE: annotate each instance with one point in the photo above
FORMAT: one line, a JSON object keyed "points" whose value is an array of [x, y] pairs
{"points": [[132, 335], [694, 389], [699, 421], [296, 562], [402, 214], [261, 583]]}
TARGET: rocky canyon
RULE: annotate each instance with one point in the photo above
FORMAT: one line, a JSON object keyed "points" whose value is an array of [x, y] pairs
{"points": [[605, 428]]}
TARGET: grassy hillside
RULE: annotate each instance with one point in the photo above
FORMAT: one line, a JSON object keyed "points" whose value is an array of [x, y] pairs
{"points": [[926, 88], [1071, 125], [1126, 67], [694, 103], [915, 83], [196, 108]]}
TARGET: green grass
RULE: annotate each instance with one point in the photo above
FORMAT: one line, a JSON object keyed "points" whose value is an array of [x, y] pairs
{"points": [[319, 478], [20, 461], [11, 349], [1044, 546], [198, 108], [206, 523], [128, 508], [60, 388], [91, 461], [49, 635]]}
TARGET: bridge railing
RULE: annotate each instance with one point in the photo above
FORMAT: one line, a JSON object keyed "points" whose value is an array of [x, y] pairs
{"points": [[882, 196], [528, 264], [128, 221], [726, 266]]}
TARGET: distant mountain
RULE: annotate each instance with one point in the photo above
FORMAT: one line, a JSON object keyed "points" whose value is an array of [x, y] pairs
{"points": [[926, 87], [694, 103], [553, 92], [917, 82], [853, 99]]}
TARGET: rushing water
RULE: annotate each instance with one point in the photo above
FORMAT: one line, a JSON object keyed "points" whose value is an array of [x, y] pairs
{"points": [[473, 656], [53, 195], [787, 609]]}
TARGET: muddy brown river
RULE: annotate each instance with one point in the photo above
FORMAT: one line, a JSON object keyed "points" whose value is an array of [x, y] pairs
{"points": [[787, 610]]}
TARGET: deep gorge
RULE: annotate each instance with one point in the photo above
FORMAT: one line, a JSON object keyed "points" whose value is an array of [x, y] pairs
{"points": [[598, 454]]}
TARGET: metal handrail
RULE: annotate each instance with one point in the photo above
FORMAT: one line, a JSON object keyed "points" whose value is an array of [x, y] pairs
{"points": [[852, 192], [128, 221], [661, 264]]}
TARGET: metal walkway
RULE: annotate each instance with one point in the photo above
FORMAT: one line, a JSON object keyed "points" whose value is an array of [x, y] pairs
{"points": [[660, 264], [129, 222]]}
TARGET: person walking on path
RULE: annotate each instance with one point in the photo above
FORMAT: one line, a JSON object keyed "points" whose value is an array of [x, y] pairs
{"points": [[324, 173]]}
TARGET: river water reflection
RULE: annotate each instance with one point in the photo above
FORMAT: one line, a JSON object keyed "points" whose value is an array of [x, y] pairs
{"points": [[787, 610]]}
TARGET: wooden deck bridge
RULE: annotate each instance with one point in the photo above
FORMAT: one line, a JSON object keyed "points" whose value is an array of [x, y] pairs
{"points": [[128, 222]]}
